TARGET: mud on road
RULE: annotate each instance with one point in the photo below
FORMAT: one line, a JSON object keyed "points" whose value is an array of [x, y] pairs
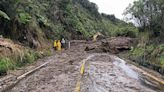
{"points": [[103, 73], [107, 73]]}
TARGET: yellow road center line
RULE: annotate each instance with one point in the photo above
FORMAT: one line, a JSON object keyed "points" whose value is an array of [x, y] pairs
{"points": [[78, 86], [82, 70]]}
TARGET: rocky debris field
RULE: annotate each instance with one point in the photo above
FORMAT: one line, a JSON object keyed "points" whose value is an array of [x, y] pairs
{"points": [[112, 45], [103, 73], [60, 75]]}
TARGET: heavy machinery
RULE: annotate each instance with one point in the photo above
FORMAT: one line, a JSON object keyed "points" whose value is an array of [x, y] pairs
{"points": [[95, 36]]}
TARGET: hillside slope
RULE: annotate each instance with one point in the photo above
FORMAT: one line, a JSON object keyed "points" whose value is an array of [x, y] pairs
{"points": [[32, 22], [150, 49]]}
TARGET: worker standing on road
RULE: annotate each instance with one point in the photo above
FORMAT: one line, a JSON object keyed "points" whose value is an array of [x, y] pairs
{"points": [[58, 45], [55, 45], [63, 43]]}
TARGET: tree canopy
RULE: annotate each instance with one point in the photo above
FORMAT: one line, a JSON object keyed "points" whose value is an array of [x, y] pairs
{"points": [[149, 14]]}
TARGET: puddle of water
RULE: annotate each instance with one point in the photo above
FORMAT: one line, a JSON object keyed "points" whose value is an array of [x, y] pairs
{"points": [[122, 64]]}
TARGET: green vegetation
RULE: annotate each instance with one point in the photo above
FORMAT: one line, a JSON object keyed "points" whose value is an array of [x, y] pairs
{"points": [[4, 15], [15, 61], [162, 61], [5, 64], [36, 23], [27, 58], [72, 19], [148, 15]]}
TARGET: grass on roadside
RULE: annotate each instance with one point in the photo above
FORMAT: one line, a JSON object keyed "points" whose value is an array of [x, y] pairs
{"points": [[20, 60]]}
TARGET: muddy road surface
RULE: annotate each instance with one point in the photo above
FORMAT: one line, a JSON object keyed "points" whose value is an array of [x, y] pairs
{"points": [[103, 73]]}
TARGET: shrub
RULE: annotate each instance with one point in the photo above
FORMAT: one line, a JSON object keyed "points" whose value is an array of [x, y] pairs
{"points": [[150, 48], [4, 15], [137, 52], [5, 64], [162, 61], [27, 58], [127, 32], [24, 18]]}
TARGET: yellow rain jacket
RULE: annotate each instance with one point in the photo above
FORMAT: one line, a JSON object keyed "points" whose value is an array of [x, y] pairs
{"points": [[58, 45], [55, 44]]}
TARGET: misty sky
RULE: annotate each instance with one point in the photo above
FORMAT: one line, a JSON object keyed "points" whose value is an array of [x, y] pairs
{"points": [[115, 7]]}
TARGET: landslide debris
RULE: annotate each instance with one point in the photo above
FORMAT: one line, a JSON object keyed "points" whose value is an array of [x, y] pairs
{"points": [[8, 47], [112, 45]]}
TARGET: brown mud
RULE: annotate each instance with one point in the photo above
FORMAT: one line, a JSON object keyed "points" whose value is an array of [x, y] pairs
{"points": [[103, 73]]}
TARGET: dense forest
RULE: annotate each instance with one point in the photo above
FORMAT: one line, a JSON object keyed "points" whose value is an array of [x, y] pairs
{"points": [[149, 16]]}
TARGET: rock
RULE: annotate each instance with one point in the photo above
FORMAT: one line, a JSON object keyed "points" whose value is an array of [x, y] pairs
{"points": [[88, 48], [112, 45], [117, 44]]}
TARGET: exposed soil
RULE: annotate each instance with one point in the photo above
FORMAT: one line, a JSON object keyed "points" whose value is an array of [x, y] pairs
{"points": [[113, 45], [60, 75], [8, 47]]}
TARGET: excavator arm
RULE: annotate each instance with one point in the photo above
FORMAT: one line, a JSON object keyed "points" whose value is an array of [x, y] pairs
{"points": [[96, 35]]}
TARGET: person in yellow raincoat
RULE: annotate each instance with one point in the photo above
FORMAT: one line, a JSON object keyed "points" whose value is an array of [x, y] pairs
{"points": [[55, 45], [58, 45]]}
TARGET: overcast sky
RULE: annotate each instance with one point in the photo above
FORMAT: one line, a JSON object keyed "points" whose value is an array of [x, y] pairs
{"points": [[115, 7]]}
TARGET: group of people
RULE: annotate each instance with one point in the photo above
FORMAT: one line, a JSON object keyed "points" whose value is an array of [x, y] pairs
{"points": [[59, 45]]}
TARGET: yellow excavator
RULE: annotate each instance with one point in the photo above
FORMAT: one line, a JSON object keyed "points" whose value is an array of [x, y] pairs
{"points": [[95, 36]]}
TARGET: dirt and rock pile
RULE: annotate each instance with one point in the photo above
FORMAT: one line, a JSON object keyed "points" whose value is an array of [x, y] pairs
{"points": [[8, 47], [112, 45]]}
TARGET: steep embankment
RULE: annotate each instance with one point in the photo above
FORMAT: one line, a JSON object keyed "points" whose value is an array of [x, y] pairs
{"points": [[150, 50], [35, 24], [32, 22], [148, 53], [13, 55]]}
